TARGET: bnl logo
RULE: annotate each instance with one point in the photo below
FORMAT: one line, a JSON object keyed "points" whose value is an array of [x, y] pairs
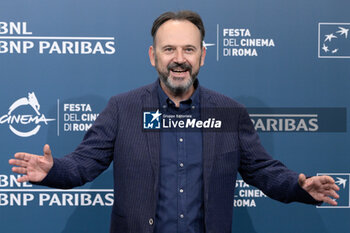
{"points": [[151, 120], [342, 180], [333, 40]]}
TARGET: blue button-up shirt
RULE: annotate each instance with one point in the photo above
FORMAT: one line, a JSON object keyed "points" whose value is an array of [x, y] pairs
{"points": [[180, 203]]}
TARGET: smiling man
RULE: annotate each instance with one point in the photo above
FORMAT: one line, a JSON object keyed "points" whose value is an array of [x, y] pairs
{"points": [[177, 53], [173, 181]]}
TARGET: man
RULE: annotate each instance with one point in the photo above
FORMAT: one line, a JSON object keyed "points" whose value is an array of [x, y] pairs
{"points": [[173, 181]]}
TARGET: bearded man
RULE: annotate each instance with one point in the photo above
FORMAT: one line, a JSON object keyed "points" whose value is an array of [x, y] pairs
{"points": [[175, 180]]}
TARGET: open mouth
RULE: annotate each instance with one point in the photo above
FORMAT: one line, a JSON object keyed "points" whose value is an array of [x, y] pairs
{"points": [[179, 71]]}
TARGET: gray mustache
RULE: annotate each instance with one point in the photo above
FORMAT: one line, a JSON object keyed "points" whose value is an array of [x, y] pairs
{"points": [[183, 66]]}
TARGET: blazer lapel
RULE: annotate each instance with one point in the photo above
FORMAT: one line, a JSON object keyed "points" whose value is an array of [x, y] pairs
{"points": [[208, 141], [151, 102]]}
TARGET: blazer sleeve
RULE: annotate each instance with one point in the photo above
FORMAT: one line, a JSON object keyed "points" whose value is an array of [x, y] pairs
{"points": [[259, 169], [91, 157]]}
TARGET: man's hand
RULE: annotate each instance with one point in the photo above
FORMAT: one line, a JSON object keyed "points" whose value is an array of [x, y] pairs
{"points": [[321, 188], [34, 167]]}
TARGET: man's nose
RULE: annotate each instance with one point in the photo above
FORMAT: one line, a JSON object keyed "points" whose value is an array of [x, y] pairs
{"points": [[179, 56]]}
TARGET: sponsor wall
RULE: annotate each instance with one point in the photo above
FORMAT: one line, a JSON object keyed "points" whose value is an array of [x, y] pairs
{"points": [[287, 61]]}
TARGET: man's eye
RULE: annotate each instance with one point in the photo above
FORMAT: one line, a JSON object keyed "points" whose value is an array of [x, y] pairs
{"points": [[189, 50], [168, 49]]}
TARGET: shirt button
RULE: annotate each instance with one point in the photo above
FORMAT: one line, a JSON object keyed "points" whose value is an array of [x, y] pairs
{"points": [[181, 165], [182, 216], [181, 190], [150, 221], [193, 107], [181, 139], [164, 106]]}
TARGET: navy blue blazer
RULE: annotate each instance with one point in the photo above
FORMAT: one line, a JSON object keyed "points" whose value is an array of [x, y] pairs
{"points": [[117, 136]]}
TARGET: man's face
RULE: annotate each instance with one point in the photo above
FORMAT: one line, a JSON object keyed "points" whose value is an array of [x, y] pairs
{"points": [[177, 55]]}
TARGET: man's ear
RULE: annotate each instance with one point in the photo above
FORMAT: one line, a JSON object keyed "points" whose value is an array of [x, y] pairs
{"points": [[151, 54], [204, 52]]}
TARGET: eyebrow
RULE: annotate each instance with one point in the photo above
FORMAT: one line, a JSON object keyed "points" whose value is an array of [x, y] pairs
{"points": [[185, 46]]}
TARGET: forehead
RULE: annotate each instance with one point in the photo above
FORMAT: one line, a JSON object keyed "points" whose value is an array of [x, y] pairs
{"points": [[178, 32]]}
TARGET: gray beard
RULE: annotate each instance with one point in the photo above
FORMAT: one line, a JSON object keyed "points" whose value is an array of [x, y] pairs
{"points": [[177, 90]]}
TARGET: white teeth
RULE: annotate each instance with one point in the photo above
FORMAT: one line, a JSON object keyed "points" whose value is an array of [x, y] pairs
{"points": [[179, 71]]}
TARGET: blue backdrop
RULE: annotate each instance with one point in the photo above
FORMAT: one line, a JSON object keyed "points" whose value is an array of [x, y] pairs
{"points": [[287, 61]]}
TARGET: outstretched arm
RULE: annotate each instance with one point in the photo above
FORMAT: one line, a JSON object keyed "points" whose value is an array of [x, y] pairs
{"points": [[34, 167], [321, 188]]}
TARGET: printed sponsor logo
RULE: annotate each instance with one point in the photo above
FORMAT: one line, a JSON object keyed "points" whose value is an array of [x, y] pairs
{"points": [[166, 121], [15, 194], [333, 40], [25, 125], [246, 195], [16, 38], [342, 180], [263, 119], [78, 117], [298, 119], [152, 120], [240, 42]]}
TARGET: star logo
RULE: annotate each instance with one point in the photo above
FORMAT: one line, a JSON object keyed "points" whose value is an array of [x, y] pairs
{"points": [[329, 37], [325, 48], [333, 41], [343, 31], [155, 115], [151, 120], [341, 181]]}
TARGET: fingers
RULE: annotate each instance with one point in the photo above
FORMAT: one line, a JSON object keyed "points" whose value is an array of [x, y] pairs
{"points": [[18, 162], [330, 190], [330, 187], [335, 187], [321, 188], [21, 162], [23, 179], [20, 170], [23, 156], [33, 167], [301, 179], [47, 152], [326, 183], [329, 200], [322, 182], [331, 193], [329, 183], [326, 180], [46, 149]]}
